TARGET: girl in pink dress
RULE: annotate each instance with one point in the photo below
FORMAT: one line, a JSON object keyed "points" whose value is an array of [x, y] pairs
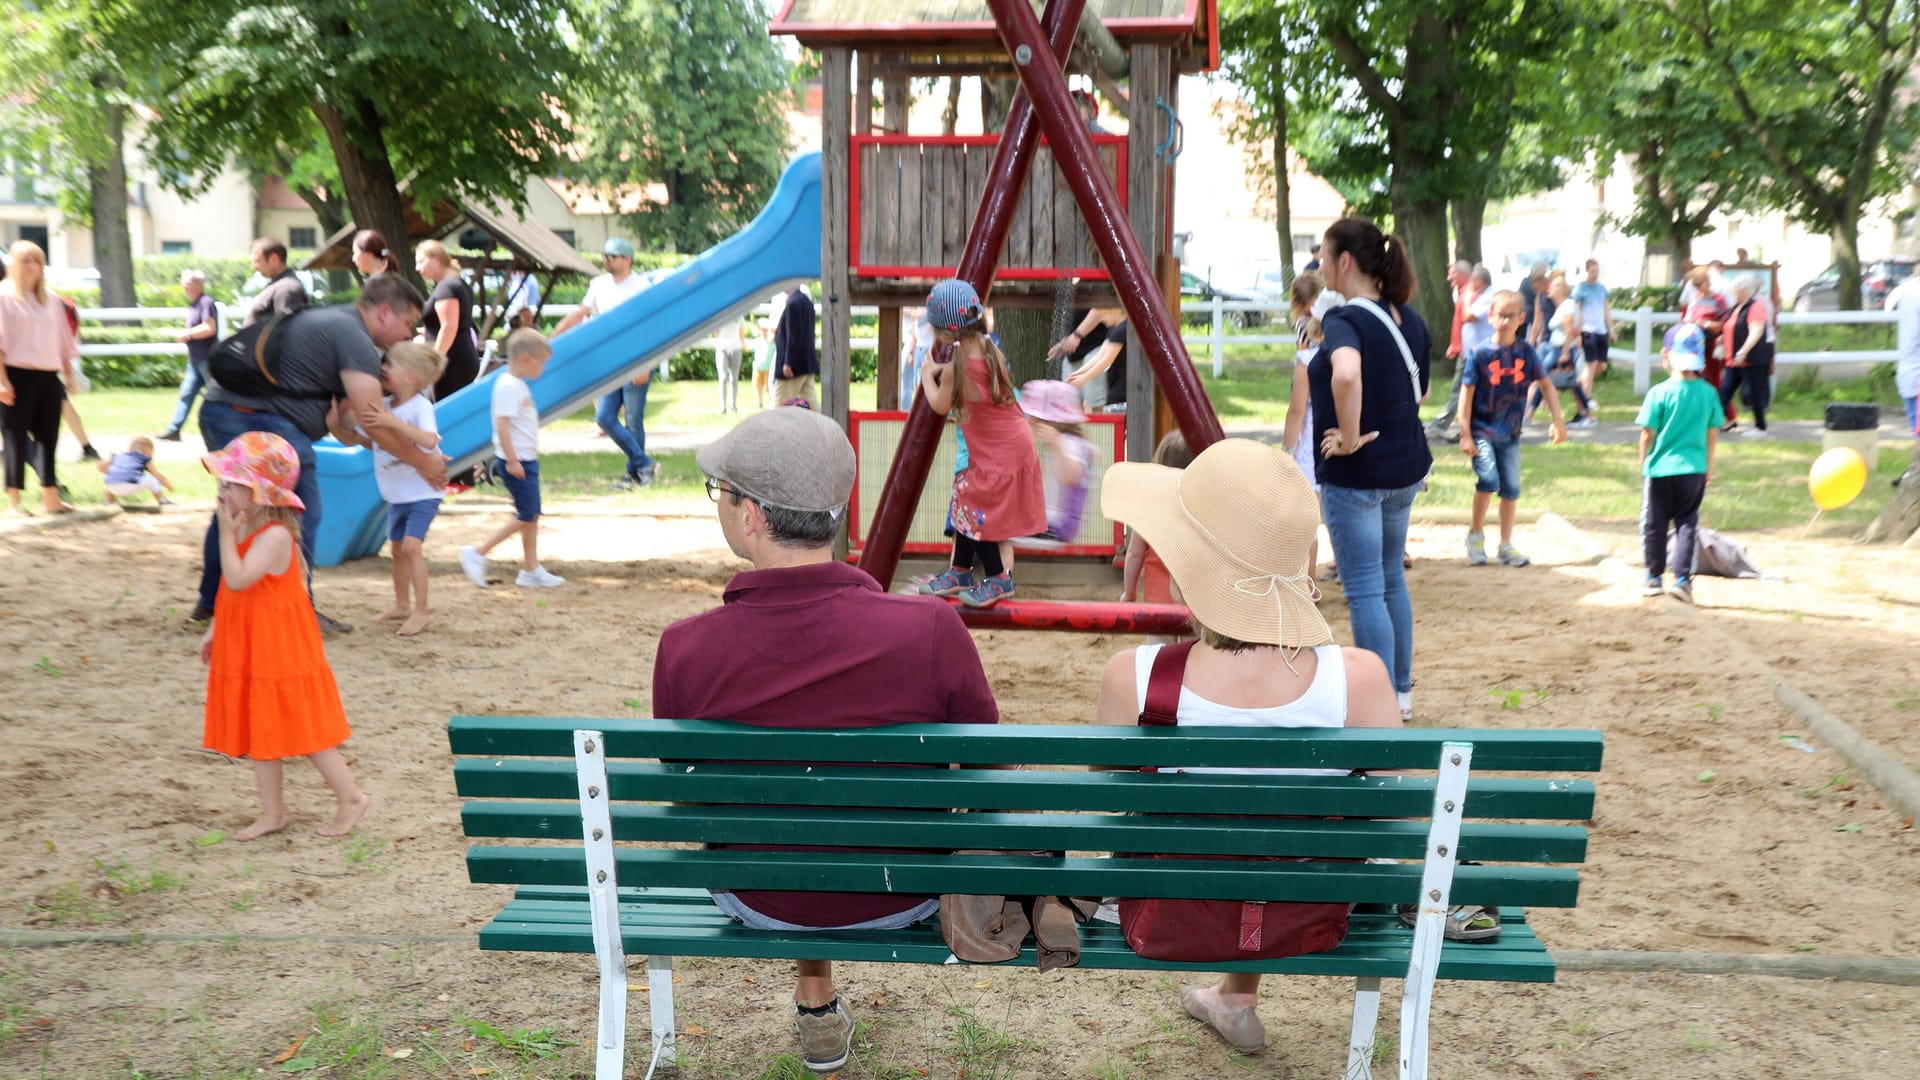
{"points": [[999, 495]]}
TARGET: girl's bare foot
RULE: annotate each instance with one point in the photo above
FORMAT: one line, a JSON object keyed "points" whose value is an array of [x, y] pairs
{"points": [[415, 623], [392, 614], [347, 816], [263, 826]]}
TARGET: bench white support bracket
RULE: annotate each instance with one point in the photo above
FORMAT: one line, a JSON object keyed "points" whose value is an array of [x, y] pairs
{"points": [[1366, 1018], [596, 830], [660, 990], [1436, 887]]}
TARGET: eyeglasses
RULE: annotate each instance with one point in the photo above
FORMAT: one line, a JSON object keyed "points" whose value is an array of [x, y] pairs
{"points": [[715, 487]]}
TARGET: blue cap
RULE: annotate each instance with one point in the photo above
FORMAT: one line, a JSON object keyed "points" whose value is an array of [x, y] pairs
{"points": [[1686, 348], [617, 247], [953, 305]]}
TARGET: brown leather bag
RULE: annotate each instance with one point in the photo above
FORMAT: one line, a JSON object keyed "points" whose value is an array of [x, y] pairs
{"points": [[992, 929]]}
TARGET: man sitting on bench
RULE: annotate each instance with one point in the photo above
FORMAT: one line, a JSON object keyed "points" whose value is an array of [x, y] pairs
{"points": [[805, 641]]}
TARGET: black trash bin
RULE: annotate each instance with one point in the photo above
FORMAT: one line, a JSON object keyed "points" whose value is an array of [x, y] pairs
{"points": [[1852, 416]]}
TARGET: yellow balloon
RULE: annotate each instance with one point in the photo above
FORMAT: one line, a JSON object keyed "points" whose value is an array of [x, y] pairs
{"points": [[1837, 477]]}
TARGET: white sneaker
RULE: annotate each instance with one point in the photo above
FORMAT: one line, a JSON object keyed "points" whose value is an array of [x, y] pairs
{"points": [[1754, 433], [475, 565], [538, 578]]}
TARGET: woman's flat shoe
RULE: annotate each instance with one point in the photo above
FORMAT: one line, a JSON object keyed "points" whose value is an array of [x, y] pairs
{"points": [[1240, 1027]]}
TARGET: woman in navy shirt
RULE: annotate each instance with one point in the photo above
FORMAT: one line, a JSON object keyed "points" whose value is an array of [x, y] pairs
{"points": [[1371, 456]]}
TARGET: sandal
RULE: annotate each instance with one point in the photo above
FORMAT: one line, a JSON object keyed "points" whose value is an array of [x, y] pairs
{"points": [[1465, 922]]}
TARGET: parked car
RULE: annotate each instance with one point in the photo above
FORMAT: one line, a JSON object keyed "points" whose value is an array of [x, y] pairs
{"points": [[1197, 293], [1877, 279]]}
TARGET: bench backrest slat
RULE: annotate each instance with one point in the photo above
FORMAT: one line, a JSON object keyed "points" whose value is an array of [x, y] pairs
{"points": [[924, 874], [1173, 834], [1186, 793], [1031, 744]]}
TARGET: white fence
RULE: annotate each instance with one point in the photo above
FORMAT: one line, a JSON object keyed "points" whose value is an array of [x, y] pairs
{"points": [[1646, 349]]}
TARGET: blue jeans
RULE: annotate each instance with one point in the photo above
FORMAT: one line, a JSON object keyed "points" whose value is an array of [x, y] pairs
{"points": [[1496, 467], [190, 384], [632, 437], [220, 424], [1913, 415], [1368, 527]]}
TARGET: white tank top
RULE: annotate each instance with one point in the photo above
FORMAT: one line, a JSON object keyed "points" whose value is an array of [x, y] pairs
{"points": [[1324, 705]]}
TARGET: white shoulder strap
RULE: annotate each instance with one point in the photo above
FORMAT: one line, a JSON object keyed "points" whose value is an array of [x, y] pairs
{"points": [[1406, 354]]}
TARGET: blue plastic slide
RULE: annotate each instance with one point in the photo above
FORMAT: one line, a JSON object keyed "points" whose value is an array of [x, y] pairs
{"points": [[780, 248]]}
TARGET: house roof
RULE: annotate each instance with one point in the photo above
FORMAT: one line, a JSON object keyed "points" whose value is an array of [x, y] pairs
{"points": [[936, 23], [532, 244]]}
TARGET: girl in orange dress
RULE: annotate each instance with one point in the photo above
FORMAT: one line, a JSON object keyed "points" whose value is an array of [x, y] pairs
{"points": [[1000, 495], [270, 693]]}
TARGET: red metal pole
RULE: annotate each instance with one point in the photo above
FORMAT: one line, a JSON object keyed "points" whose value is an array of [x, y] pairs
{"points": [[1084, 617], [907, 477], [1133, 276]]}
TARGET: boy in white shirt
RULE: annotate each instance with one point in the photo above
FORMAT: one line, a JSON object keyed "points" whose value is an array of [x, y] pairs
{"points": [[516, 449], [412, 502]]}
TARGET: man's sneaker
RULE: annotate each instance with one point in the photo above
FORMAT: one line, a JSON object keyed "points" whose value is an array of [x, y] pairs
{"points": [[1477, 548], [1653, 586], [538, 578], [949, 582], [331, 625], [169, 435], [826, 1038], [989, 592], [1754, 433], [1587, 421], [201, 613], [1510, 556], [1682, 590], [640, 477], [475, 565]]}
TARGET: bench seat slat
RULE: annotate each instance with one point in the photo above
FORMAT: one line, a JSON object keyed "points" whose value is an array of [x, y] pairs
{"points": [[928, 874], [1320, 838], [1036, 744], [1129, 792], [689, 925]]}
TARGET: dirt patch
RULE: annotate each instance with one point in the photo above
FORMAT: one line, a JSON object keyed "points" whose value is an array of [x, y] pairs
{"points": [[106, 792]]}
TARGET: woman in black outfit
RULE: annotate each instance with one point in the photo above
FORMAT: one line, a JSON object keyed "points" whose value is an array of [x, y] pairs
{"points": [[370, 254], [449, 317], [38, 350]]}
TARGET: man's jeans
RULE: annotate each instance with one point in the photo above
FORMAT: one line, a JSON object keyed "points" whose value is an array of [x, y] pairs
{"points": [[190, 384], [1368, 527], [220, 424], [632, 437]]}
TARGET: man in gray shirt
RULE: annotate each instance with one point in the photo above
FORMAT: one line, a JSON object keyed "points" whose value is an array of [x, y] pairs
{"points": [[326, 354], [284, 293]]}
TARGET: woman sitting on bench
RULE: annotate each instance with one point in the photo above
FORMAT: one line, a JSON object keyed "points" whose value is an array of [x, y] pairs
{"points": [[1235, 529]]}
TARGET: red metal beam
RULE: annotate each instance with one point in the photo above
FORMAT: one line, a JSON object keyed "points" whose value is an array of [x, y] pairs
{"points": [[1106, 216], [1011, 161], [1085, 617]]}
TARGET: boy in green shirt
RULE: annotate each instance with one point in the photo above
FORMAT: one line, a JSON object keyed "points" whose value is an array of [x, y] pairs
{"points": [[1679, 431]]}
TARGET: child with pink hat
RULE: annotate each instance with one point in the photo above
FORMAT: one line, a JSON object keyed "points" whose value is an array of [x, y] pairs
{"points": [[270, 693]]}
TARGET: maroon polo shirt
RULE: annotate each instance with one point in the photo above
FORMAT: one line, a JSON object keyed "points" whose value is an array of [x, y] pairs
{"points": [[821, 646]]}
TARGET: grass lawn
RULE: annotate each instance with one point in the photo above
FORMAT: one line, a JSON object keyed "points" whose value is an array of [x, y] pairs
{"points": [[1757, 485]]}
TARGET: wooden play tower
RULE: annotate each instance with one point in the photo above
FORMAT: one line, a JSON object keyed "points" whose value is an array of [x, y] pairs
{"points": [[1018, 212]]}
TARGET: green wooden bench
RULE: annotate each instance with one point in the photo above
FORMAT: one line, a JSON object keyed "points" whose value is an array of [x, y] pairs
{"points": [[573, 787]]}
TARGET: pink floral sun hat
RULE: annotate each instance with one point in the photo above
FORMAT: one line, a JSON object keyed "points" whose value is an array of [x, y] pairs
{"points": [[1053, 401], [262, 461]]}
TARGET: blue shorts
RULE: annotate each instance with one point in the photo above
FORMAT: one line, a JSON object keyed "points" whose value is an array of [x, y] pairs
{"points": [[411, 519], [526, 493], [1496, 467]]}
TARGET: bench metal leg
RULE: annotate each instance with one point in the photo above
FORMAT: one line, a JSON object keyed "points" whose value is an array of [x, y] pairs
{"points": [[1436, 887], [610, 1042], [1366, 1017], [660, 990]]}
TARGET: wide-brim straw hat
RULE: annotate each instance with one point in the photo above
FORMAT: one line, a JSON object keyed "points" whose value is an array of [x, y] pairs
{"points": [[1234, 529]]}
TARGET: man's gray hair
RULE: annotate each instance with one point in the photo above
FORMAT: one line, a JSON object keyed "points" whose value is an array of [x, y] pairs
{"points": [[198, 277], [1539, 271], [1483, 275], [1463, 267], [792, 528]]}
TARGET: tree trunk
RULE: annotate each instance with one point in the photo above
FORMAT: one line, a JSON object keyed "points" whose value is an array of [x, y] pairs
{"points": [[1900, 521], [1282, 186], [1469, 213], [373, 193], [334, 216], [1846, 252], [107, 194], [950, 116], [1422, 226]]}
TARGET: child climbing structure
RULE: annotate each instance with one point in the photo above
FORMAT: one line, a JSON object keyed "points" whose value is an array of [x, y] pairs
{"points": [[864, 235]]}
